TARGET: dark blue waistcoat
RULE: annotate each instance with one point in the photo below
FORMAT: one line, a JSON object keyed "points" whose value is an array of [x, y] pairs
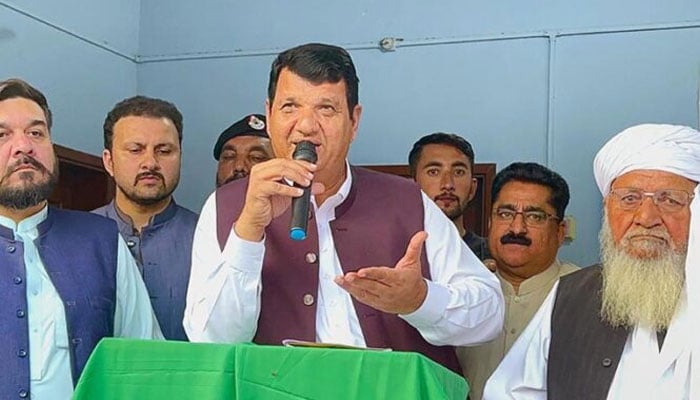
{"points": [[163, 251], [79, 252]]}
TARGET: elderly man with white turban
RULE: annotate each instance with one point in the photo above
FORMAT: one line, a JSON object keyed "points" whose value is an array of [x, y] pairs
{"points": [[630, 327]]}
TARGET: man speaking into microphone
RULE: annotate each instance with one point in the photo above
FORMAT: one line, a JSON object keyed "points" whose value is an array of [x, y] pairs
{"points": [[381, 265]]}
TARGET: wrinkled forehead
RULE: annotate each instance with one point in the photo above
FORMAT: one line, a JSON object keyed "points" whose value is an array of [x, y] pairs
{"points": [[19, 112], [653, 179]]}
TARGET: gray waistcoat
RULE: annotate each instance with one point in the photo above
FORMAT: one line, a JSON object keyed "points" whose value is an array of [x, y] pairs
{"points": [[584, 351]]}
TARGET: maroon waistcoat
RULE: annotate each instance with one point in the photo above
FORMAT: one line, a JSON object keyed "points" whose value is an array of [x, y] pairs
{"points": [[372, 228]]}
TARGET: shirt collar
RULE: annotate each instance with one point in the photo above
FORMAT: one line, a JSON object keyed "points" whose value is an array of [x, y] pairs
{"points": [[27, 225], [533, 283], [342, 194], [163, 216]]}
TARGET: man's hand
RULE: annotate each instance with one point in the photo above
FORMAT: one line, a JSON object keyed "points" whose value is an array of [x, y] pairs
{"points": [[268, 195], [397, 290]]}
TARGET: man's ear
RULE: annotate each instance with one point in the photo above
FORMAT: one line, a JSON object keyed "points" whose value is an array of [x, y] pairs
{"points": [[472, 191], [355, 115], [561, 231], [107, 162]]}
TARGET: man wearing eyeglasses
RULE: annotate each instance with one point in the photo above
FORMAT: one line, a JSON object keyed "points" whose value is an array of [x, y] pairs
{"points": [[525, 233], [628, 328]]}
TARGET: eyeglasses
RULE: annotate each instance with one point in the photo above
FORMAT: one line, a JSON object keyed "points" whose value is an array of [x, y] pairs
{"points": [[668, 200], [531, 218]]}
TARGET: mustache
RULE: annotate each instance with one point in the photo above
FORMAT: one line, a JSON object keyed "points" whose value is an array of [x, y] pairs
{"points": [[656, 232], [512, 238], [148, 174], [446, 195], [236, 176], [26, 160]]}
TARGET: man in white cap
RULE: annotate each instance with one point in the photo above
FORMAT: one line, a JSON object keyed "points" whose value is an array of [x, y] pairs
{"points": [[626, 329]]}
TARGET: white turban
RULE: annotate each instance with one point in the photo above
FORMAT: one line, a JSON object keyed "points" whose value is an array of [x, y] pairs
{"points": [[674, 149], [669, 148]]}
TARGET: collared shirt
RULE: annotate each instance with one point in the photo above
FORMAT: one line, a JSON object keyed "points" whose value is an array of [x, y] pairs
{"points": [[644, 371], [49, 357], [163, 252], [479, 362], [464, 304], [477, 244]]}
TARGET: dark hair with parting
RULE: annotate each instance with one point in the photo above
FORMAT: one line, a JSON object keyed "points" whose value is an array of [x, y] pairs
{"points": [[529, 172], [317, 63], [141, 106], [14, 88], [449, 139]]}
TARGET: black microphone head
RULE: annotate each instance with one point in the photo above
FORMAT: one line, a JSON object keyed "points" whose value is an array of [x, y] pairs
{"points": [[306, 151]]}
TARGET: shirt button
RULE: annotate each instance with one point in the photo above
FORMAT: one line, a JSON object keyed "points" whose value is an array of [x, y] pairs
{"points": [[516, 299], [17, 280], [606, 362], [311, 258], [21, 353], [20, 313], [23, 394], [131, 243], [512, 331], [308, 299], [10, 249]]}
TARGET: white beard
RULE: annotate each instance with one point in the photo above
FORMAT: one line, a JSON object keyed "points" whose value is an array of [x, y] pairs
{"points": [[639, 291]]}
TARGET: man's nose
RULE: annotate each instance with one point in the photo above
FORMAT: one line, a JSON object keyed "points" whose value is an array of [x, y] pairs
{"points": [[446, 181], [241, 165], [648, 214], [307, 124], [22, 144], [517, 225], [149, 161]]}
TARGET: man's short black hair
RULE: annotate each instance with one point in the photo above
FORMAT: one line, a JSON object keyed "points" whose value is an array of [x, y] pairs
{"points": [[449, 139], [17, 88], [529, 172], [317, 63], [141, 106]]}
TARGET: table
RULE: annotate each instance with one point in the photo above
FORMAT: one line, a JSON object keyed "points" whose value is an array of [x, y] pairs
{"points": [[169, 370]]}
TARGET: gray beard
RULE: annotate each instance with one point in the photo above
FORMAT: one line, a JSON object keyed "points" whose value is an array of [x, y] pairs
{"points": [[639, 291]]}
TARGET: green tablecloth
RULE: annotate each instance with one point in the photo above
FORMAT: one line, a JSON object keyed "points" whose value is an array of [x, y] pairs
{"points": [[135, 369]]}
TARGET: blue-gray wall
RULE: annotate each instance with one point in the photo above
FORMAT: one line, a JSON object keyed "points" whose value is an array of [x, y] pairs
{"points": [[83, 61], [540, 81]]}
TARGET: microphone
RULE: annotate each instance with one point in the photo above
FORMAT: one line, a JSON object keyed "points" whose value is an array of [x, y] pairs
{"points": [[306, 151]]}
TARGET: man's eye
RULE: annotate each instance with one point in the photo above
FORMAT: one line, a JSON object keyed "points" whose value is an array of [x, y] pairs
{"points": [[630, 198], [535, 216], [505, 214], [327, 109], [460, 172], [433, 172], [666, 198], [258, 158], [288, 107]]}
